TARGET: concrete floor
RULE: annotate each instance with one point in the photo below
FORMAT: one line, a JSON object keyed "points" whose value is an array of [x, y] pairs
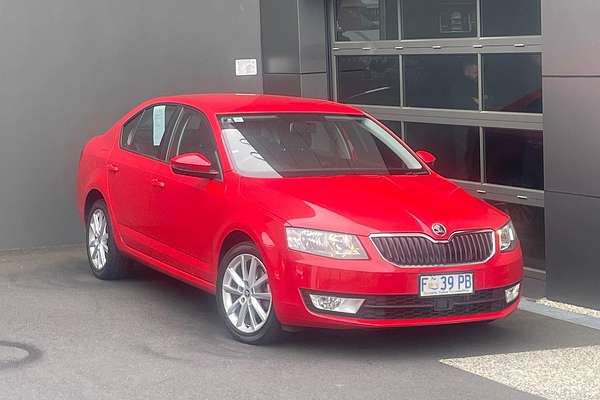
{"points": [[66, 335]]}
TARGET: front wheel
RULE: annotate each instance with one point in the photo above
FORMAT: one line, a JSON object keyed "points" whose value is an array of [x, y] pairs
{"points": [[244, 296]]}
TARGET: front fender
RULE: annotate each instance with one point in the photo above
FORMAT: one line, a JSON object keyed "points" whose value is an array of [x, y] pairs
{"points": [[268, 233]]}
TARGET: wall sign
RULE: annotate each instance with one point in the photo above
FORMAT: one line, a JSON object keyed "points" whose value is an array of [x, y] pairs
{"points": [[246, 67]]}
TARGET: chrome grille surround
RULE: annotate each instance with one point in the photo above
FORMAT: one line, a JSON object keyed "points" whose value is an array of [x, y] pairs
{"points": [[414, 250]]}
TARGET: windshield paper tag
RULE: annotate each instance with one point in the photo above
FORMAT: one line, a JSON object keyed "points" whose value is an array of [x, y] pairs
{"points": [[158, 115]]}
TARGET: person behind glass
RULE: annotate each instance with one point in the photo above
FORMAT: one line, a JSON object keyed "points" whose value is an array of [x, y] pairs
{"points": [[464, 92], [464, 95]]}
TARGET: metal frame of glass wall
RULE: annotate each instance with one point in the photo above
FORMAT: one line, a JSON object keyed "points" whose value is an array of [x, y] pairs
{"points": [[480, 119]]}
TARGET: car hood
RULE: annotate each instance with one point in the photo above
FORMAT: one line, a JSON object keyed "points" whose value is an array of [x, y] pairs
{"points": [[369, 204]]}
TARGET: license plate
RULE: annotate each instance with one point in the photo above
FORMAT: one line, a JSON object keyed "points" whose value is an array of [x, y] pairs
{"points": [[447, 284]]}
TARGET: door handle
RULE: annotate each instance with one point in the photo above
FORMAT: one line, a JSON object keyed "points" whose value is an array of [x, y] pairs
{"points": [[113, 168], [157, 183]]}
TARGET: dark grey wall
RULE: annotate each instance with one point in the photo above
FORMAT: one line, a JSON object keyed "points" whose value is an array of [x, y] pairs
{"points": [[70, 68], [571, 69], [294, 47]]}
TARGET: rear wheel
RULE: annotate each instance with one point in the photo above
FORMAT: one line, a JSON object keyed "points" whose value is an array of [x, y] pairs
{"points": [[106, 262], [244, 296]]}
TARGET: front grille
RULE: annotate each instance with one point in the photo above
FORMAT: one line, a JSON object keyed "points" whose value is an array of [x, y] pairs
{"points": [[415, 250], [413, 306]]}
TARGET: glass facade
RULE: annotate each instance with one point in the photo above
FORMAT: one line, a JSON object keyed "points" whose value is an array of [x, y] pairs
{"points": [[461, 79], [366, 20], [512, 82], [442, 81], [439, 19], [514, 158], [511, 17], [369, 80], [456, 148], [530, 226], [394, 126]]}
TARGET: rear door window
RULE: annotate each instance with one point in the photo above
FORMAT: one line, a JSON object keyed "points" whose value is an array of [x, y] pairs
{"points": [[149, 132]]}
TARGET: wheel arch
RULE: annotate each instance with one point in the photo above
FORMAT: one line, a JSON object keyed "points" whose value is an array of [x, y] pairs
{"points": [[93, 196], [259, 236], [269, 240], [232, 239]]}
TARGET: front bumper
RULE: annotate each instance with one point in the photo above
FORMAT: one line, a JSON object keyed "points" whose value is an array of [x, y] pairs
{"points": [[391, 292]]}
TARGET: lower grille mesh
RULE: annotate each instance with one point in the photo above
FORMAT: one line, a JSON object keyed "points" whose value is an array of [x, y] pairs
{"points": [[413, 306]]}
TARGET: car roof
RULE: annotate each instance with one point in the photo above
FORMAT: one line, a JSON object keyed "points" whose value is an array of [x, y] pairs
{"points": [[235, 103]]}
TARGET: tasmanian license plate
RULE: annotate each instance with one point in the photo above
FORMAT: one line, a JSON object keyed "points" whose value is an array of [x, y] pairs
{"points": [[445, 285]]}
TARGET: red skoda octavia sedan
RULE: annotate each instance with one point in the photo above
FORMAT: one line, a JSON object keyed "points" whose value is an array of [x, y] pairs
{"points": [[293, 212]]}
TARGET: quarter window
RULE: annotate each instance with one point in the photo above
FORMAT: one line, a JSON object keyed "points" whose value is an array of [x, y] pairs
{"points": [[149, 132], [129, 129]]}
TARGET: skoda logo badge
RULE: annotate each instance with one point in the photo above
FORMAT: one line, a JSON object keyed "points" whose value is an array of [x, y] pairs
{"points": [[438, 229]]}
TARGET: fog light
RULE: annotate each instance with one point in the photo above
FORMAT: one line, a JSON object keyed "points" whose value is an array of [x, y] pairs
{"points": [[336, 304], [512, 293]]}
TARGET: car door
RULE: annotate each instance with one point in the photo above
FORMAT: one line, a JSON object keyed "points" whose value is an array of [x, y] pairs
{"points": [[142, 147], [189, 209]]}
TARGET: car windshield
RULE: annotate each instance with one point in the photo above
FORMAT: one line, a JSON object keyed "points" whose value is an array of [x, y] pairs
{"points": [[296, 145]]}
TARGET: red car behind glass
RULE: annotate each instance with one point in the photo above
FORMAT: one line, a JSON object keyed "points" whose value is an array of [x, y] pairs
{"points": [[294, 212]]}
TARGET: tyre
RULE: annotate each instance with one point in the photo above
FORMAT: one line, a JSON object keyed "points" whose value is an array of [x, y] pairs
{"points": [[106, 262], [244, 296]]}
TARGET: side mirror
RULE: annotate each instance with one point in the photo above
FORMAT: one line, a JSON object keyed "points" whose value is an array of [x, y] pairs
{"points": [[427, 158], [193, 164]]}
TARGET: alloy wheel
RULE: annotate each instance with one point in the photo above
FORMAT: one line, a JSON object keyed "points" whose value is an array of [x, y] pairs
{"points": [[246, 293], [98, 239]]}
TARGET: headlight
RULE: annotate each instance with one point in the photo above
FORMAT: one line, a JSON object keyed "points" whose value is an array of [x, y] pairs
{"points": [[508, 237], [328, 244]]}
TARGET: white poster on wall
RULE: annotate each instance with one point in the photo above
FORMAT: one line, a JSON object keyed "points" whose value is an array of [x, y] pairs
{"points": [[246, 67]]}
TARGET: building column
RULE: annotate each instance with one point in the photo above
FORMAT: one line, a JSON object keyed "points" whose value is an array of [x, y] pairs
{"points": [[571, 76], [294, 47]]}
